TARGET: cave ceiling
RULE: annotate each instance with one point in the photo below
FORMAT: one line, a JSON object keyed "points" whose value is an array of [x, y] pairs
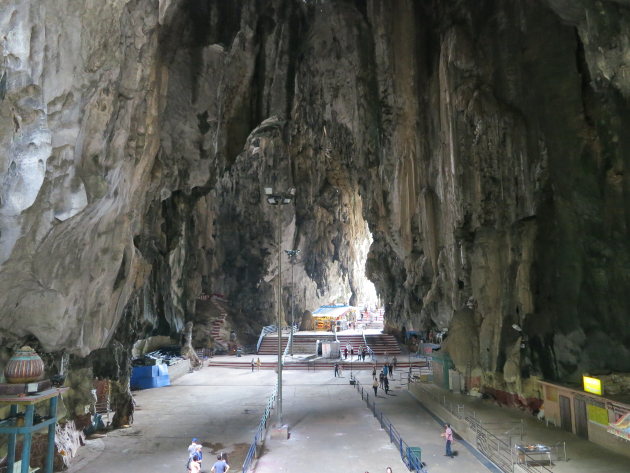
{"points": [[479, 145]]}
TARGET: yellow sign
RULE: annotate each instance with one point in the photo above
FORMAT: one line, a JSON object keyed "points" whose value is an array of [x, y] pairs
{"points": [[592, 385], [597, 414]]}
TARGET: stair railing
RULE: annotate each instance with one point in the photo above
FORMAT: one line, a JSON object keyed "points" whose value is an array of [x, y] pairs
{"points": [[265, 330]]}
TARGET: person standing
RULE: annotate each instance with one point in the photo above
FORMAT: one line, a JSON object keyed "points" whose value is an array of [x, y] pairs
{"points": [[194, 464], [386, 384], [375, 385], [448, 435], [395, 362], [336, 369], [391, 370], [253, 364], [374, 371], [192, 448], [345, 353], [220, 465], [199, 455]]}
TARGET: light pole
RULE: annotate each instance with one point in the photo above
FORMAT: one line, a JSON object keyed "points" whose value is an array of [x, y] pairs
{"points": [[292, 254], [279, 199]]}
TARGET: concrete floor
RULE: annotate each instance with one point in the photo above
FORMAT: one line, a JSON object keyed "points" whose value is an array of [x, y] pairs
{"points": [[331, 429]]}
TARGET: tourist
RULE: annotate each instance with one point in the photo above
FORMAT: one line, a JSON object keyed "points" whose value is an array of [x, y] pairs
{"points": [[253, 364], [386, 384], [391, 370], [194, 462], [345, 353], [375, 385], [192, 448], [380, 379], [198, 455], [220, 466], [336, 369], [351, 353], [374, 371], [258, 363], [395, 362], [448, 435]]}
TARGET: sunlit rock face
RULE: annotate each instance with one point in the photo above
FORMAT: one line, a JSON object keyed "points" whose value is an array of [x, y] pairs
{"points": [[481, 143]]}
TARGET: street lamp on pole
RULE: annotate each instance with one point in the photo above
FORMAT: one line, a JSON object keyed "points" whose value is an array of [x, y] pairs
{"points": [[279, 199], [292, 254]]}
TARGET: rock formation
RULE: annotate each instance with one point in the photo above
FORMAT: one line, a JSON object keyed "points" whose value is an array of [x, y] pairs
{"points": [[479, 144]]}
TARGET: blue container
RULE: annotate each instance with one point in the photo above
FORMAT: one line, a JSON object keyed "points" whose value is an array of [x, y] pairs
{"points": [[145, 377], [154, 382]]}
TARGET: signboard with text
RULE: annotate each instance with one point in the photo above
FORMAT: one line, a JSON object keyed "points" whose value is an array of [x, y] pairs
{"points": [[592, 385]]}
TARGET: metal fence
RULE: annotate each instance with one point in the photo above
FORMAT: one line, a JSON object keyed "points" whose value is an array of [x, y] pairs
{"points": [[497, 440], [411, 456], [259, 437]]}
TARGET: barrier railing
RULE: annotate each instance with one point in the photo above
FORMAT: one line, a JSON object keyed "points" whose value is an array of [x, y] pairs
{"points": [[259, 437], [265, 330], [293, 329], [496, 440], [407, 454]]}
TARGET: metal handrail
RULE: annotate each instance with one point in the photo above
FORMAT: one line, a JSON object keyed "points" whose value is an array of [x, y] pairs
{"points": [[407, 454], [500, 452], [294, 328], [265, 330], [260, 431]]}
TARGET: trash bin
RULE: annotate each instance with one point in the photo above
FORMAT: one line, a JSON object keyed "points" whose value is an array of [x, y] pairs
{"points": [[414, 457]]}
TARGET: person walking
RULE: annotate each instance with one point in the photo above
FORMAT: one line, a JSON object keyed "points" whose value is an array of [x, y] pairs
{"points": [[253, 364], [374, 371], [380, 379], [448, 435], [345, 353], [258, 364], [386, 384], [375, 385], [336, 369], [391, 370], [220, 465]]}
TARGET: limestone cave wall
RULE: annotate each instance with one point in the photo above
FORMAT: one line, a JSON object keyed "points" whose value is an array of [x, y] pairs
{"points": [[480, 144]]}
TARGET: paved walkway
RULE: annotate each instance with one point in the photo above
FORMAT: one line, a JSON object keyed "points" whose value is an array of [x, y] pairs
{"points": [[331, 429], [582, 456]]}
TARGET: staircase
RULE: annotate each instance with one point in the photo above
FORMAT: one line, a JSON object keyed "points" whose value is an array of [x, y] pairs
{"points": [[217, 324], [306, 344], [383, 343], [317, 365], [354, 341], [269, 345], [302, 344]]}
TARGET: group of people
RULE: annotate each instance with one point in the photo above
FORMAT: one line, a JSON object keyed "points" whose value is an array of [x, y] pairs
{"points": [[361, 353], [256, 364], [195, 457], [383, 381]]}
